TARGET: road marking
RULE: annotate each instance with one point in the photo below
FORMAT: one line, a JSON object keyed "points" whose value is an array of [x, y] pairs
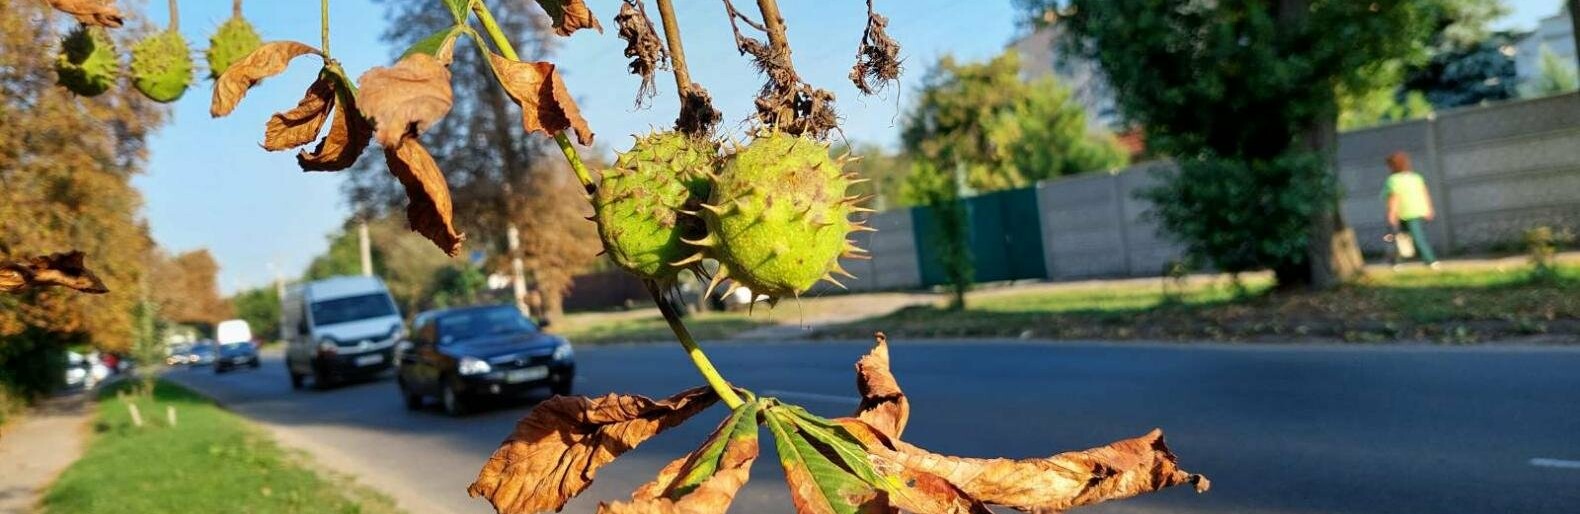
{"points": [[813, 396], [1555, 463]]}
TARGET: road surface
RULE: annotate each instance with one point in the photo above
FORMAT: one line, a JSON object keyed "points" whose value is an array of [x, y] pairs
{"points": [[1278, 429]]}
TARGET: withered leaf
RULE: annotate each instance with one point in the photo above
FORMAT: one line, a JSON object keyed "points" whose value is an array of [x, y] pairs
{"points": [[706, 480], [1053, 484], [819, 485], [58, 269], [878, 57], [99, 13], [642, 46], [349, 134], [407, 98], [546, 105], [300, 125], [428, 209], [555, 452], [883, 404], [267, 61], [570, 16]]}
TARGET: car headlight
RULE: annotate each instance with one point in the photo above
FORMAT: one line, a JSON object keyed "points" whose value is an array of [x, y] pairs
{"points": [[473, 366], [563, 352], [328, 346]]}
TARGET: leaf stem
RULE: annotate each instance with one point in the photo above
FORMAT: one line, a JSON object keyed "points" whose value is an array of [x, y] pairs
{"points": [[175, 17], [323, 26], [698, 359], [774, 25], [677, 54], [491, 26]]}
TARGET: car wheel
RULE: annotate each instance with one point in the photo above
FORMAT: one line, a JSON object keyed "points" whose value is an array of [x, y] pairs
{"points": [[322, 379], [296, 380], [255, 363], [563, 387], [413, 400], [454, 404]]}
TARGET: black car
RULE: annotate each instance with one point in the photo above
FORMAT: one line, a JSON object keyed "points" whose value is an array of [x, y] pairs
{"points": [[235, 355], [458, 355]]}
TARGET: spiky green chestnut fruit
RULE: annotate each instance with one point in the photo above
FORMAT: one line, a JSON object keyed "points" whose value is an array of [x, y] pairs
{"points": [[235, 39], [87, 64], [645, 203], [162, 66], [778, 216]]}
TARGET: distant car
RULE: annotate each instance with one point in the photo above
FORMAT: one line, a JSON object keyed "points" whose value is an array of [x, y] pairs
{"points": [[342, 328], [180, 355], [77, 370], [458, 355], [201, 354], [235, 355]]}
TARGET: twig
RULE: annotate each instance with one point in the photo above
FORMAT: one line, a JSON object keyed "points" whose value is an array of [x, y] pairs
{"points": [[175, 17], [323, 25]]}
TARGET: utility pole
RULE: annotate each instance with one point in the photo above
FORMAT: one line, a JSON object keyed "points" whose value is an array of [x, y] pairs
{"points": [[367, 248], [518, 271], [279, 296]]}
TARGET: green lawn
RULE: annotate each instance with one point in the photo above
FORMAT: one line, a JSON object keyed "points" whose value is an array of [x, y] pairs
{"points": [[1450, 306], [604, 328], [212, 461]]}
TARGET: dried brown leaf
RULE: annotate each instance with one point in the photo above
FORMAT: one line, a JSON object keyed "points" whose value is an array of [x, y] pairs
{"points": [[546, 105], [58, 269], [555, 452], [428, 209], [570, 16], [878, 57], [349, 135], [725, 476], [407, 98], [99, 13], [883, 404], [300, 125], [1119, 470], [267, 61], [642, 46]]}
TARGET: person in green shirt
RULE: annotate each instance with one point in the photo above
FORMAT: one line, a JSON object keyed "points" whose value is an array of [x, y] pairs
{"points": [[1409, 204]]}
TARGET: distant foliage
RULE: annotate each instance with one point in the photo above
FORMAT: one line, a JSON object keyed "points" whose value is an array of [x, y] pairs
{"points": [[1557, 77], [260, 307]]}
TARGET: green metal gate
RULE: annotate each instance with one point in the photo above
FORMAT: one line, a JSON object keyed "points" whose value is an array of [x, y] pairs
{"points": [[1005, 238]]}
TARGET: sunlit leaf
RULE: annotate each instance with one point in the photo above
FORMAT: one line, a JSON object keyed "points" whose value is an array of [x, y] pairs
{"points": [[99, 13], [546, 104], [405, 99], [267, 61], [458, 9], [428, 209], [817, 484], [349, 133], [440, 44], [555, 452], [883, 404], [706, 480], [570, 15], [300, 125], [58, 269]]}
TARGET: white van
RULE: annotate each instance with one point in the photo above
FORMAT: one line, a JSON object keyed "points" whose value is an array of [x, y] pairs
{"points": [[339, 328]]}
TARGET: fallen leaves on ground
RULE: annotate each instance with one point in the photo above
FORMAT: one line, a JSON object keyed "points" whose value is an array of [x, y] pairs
{"points": [[546, 105], [99, 13], [428, 208], [267, 61], [300, 125], [555, 452], [570, 15], [706, 480], [407, 98], [59, 269]]}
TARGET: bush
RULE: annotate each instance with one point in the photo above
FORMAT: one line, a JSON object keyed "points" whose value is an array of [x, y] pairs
{"points": [[1542, 244], [1242, 215], [32, 364]]}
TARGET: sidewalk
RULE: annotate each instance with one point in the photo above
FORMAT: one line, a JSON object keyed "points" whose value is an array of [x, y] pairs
{"points": [[37, 447]]}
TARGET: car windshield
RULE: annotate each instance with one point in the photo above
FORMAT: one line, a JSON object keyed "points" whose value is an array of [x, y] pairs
{"points": [[472, 323], [231, 347], [352, 308]]}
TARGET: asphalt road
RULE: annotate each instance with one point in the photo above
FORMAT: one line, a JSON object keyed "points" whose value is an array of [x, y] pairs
{"points": [[1279, 429]]}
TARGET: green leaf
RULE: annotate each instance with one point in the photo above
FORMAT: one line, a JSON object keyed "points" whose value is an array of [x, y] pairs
{"points": [[437, 43], [741, 425], [844, 445], [817, 484], [459, 8]]}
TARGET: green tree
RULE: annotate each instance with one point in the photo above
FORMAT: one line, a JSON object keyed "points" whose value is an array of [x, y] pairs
{"points": [[1557, 77], [1251, 86], [938, 191], [1381, 106], [886, 172], [260, 306], [1006, 131], [344, 256]]}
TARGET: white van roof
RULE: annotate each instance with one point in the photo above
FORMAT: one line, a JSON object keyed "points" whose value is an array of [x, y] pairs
{"points": [[341, 287]]}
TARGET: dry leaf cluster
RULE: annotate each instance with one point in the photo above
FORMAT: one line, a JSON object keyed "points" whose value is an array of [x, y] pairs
{"points": [[831, 466], [878, 57], [642, 46], [96, 13], [58, 269]]}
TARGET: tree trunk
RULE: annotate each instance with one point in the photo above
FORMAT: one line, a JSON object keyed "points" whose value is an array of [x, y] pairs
{"points": [[1333, 256]]}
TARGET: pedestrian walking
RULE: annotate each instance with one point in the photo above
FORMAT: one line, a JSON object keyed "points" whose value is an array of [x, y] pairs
{"points": [[1409, 208]]}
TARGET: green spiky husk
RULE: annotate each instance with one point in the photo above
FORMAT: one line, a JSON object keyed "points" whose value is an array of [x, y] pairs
{"points": [[235, 39], [778, 215], [162, 66], [640, 202], [87, 64]]}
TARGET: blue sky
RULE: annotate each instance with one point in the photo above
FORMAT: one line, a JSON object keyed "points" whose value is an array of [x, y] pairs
{"points": [[210, 185]]}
